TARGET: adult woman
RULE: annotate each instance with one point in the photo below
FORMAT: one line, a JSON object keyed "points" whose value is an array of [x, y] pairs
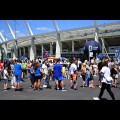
{"points": [[91, 79], [114, 74], [38, 76], [105, 73]]}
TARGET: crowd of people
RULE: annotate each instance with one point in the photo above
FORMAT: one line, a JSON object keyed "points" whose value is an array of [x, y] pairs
{"points": [[16, 71]]}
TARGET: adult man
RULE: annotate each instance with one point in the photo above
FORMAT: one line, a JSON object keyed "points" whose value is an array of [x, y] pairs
{"points": [[24, 66], [106, 84], [18, 73], [45, 74], [58, 75], [73, 68]]}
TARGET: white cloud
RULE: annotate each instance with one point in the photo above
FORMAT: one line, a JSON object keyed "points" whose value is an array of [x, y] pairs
{"points": [[19, 34], [2, 31], [44, 29]]}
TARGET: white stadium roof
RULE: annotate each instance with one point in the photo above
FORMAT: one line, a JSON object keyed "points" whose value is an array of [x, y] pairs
{"points": [[106, 31]]}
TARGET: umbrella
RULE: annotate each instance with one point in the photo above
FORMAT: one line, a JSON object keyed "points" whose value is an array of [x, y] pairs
{"points": [[100, 56], [62, 58]]}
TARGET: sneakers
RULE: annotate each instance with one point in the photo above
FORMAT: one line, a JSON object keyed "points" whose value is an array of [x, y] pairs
{"points": [[96, 98], [57, 89], [50, 86], [12, 87], [63, 89], [31, 87], [75, 88], [72, 87], [44, 86]]}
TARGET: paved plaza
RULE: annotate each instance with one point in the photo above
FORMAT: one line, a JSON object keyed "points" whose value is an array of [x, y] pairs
{"points": [[27, 93]]}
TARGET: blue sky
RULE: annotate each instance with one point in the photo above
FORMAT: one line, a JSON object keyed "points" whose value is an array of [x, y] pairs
{"points": [[45, 26]]}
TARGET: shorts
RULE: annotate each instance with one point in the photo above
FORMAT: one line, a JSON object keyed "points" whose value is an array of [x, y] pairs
{"points": [[18, 78], [83, 77], [37, 77], [59, 78], [75, 81], [24, 70], [5, 81]]}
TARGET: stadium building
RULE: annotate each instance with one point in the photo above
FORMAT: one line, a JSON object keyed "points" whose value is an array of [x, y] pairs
{"points": [[65, 43]]}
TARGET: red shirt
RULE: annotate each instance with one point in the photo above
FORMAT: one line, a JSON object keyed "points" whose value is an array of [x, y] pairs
{"points": [[1, 65]]}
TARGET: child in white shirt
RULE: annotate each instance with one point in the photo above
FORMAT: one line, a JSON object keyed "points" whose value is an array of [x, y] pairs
{"points": [[5, 76]]}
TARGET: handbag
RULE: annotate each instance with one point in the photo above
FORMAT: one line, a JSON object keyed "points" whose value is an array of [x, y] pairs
{"points": [[109, 79]]}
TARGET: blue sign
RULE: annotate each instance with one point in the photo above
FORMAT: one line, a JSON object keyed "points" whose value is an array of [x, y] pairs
{"points": [[117, 52]]}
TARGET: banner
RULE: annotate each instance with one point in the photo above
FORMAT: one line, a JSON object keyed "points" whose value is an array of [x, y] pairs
{"points": [[117, 53]]}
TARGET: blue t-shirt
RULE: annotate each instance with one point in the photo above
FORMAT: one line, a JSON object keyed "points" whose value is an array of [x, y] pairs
{"points": [[37, 71], [31, 70], [31, 75], [58, 70], [18, 71]]}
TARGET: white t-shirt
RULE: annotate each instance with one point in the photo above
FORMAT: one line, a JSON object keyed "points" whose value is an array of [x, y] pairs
{"points": [[106, 71], [44, 67], [79, 62], [73, 67], [51, 64], [4, 74]]}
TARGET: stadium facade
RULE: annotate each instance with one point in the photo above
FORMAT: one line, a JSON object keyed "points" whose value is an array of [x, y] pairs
{"points": [[71, 41]]}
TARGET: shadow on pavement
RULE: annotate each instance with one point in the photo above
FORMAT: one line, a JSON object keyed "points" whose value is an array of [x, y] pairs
{"points": [[20, 89], [8, 88], [103, 99]]}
